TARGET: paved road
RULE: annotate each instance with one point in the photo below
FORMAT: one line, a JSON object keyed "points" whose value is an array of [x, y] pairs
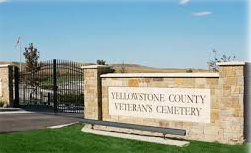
{"points": [[31, 121]]}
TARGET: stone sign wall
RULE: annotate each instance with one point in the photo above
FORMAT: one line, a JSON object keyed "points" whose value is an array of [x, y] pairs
{"points": [[221, 101], [195, 130]]}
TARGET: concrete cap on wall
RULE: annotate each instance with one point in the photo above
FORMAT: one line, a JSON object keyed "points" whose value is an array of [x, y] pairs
{"points": [[95, 66], [232, 63], [160, 75]]}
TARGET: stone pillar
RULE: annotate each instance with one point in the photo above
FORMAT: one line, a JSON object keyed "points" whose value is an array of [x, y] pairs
{"points": [[92, 90], [231, 91], [6, 85]]}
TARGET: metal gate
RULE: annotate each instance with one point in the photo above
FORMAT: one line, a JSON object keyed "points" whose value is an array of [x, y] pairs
{"points": [[55, 85]]}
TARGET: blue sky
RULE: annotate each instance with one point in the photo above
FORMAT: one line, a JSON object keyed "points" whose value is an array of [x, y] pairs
{"points": [[162, 33]]}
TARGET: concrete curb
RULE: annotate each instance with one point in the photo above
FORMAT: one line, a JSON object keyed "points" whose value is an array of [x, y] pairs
{"points": [[15, 112], [138, 137], [61, 126], [10, 109]]}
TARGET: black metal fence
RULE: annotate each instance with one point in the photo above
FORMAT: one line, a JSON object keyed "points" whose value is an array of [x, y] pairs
{"points": [[55, 85]]}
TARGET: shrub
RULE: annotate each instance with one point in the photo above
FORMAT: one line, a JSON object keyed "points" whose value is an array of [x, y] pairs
{"points": [[101, 62], [189, 70], [71, 98], [212, 64]]}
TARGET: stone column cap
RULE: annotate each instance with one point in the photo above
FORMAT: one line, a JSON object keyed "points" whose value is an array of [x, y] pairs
{"points": [[232, 63], [5, 65], [95, 66]]}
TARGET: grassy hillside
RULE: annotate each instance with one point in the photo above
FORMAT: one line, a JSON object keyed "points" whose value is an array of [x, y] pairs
{"points": [[8, 62], [135, 68]]}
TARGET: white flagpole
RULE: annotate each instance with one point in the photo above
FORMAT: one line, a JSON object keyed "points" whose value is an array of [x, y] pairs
{"points": [[20, 64], [18, 43]]}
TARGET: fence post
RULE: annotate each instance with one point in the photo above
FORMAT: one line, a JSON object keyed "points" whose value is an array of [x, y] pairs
{"points": [[17, 79], [55, 85], [92, 90]]}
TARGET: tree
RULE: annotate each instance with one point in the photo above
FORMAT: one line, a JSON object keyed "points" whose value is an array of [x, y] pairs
{"points": [[212, 64], [31, 55], [101, 62], [190, 70]]}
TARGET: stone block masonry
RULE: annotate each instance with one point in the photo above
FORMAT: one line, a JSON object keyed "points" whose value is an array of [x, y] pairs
{"points": [[93, 94], [6, 85], [225, 110]]}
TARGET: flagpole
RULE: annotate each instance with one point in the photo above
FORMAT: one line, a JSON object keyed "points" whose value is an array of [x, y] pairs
{"points": [[20, 62]]}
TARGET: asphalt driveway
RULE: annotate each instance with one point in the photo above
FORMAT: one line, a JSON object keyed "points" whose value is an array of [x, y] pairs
{"points": [[12, 122]]}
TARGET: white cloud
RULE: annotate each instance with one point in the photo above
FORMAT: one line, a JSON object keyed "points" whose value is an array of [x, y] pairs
{"points": [[3, 1], [201, 13], [183, 2]]}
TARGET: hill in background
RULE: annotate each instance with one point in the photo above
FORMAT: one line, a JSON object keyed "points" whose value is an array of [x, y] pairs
{"points": [[133, 68]]}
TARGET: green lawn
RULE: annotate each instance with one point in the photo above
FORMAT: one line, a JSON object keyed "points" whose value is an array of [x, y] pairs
{"points": [[72, 140]]}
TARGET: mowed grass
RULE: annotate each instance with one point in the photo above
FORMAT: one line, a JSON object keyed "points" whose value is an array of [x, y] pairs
{"points": [[72, 140]]}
